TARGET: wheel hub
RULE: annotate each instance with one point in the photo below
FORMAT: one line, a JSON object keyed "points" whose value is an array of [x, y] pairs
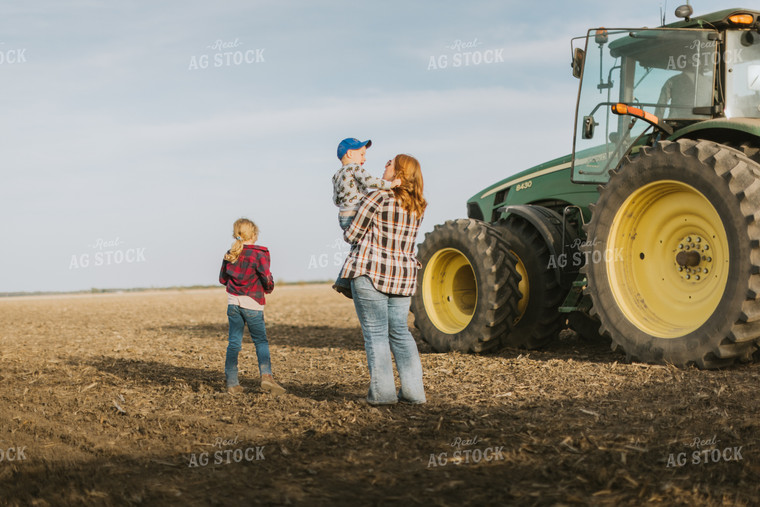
{"points": [[667, 258], [452, 293], [524, 288], [693, 259]]}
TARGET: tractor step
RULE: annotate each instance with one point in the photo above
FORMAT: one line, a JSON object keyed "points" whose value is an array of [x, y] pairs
{"points": [[575, 301]]}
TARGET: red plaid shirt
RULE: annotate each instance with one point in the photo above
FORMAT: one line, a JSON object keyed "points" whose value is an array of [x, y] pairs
{"points": [[384, 236], [250, 275]]}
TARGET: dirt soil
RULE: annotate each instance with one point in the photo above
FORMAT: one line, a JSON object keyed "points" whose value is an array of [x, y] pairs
{"points": [[118, 399]]}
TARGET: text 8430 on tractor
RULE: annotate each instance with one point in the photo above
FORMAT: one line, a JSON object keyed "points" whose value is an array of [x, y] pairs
{"points": [[649, 232]]}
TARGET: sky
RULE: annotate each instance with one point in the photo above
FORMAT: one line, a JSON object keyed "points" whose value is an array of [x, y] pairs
{"points": [[133, 134]]}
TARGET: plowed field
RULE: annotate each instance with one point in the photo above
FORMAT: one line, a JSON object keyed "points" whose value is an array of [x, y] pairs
{"points": [[118, 399]]}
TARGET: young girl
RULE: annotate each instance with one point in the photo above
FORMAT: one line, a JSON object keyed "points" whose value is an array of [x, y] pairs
{"points": [[245, 272]]}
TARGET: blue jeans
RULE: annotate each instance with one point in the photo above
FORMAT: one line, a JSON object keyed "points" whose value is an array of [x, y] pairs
{"points": [[238, 318], [383, 318], [345, 222]]}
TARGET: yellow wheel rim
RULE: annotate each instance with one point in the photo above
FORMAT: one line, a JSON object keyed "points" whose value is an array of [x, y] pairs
{"points": [[667, 259], [524, 287], [450, 291]]}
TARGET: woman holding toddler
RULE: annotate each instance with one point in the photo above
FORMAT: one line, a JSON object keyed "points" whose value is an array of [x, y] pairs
{"points": [[383, 272]]}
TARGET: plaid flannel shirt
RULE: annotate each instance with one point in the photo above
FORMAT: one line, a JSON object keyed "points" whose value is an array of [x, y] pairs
{"points": [[383, 236], [351, 182], [250, 275]]}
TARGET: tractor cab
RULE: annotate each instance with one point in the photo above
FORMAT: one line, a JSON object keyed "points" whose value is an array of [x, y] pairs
{"points": [[640, 85]]}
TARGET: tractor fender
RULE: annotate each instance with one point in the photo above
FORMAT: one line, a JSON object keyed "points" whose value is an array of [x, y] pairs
{"points": [[547, 222]]}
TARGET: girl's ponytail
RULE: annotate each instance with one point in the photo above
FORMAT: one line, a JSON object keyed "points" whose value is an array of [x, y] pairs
{"points": [[242, 230]]}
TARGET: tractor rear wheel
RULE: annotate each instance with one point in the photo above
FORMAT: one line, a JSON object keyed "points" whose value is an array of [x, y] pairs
{"points": [[538, 320], [674, 263], [467, 290]]}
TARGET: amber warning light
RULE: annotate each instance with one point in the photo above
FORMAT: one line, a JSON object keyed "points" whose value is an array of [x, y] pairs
{"points": [[742, 19], [635, 111], [620, 108]]}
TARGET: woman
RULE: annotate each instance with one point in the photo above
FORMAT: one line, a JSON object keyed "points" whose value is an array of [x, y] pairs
{"points": [[383, 272]]}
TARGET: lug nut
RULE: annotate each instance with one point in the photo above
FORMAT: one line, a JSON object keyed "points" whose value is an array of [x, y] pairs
{"points": [[707, 247], [705, 270], [709, 259], [680, 247], [688, 240], [699, 240], [688, 276], [697, 277]]}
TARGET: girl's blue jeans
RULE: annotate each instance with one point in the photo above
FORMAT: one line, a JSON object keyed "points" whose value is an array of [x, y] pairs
{"points": [[238, 317], [383, 318]]}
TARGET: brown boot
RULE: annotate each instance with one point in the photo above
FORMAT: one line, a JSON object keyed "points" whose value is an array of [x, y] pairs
{"points": [[269, 385]]}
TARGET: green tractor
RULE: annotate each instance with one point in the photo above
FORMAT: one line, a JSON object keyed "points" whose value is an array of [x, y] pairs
{"points": [[648, 233]]}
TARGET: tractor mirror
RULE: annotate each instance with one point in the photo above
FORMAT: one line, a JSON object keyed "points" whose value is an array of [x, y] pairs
{"points": [[578, 56], [588, 127], [750, 38]]}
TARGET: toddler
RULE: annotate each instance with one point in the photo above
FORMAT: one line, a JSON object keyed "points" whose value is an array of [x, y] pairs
{"points": [[350, 184]]}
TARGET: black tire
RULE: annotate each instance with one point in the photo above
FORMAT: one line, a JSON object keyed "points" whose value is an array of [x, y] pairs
{"points": [[467, 287], [751, 150], [538, 320], [713, 315]]}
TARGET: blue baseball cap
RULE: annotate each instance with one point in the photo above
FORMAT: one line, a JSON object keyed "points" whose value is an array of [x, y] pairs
{"points": [[351, 144]]}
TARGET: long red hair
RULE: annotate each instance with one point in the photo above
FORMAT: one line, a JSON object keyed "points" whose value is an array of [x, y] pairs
{"points": [[409, 193]]}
